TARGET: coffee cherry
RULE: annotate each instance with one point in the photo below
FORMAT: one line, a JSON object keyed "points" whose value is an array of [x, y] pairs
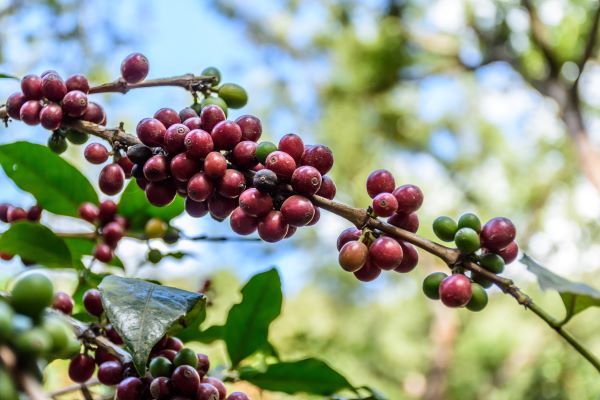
{"points": [[193, 122], [31, 85], [168, 354], [265, 181], [75, 103], [151, 132], [215, 101], [220, 207], [467, 240], [212, 72], [168, 117], [306, 180], [92, 301], [348, 235], [386, 253], [469, 220], [94, 113], [410, 198], [51, 116], [53, 87], [431, 285], [139, 153], [63, 303], [410, 258], [211, 115], [242, 223], [81, 368], [107, 211], [369, 272], [112, 179], [95, 153], [297, 211], [14, 103], [282, 164], [327, 188], [203, 364], [318, 156], [455, 290], [134, 68], [127, 166], [409, 222], [88, 212], [31, 294], [206, 391], [218, 384], [272, 227], [57, 143], [492, 262], [255, 203], [157, 168], [113, 335], [130, 389], [200, 188], [187, 113], [445, 228], [380, 181], [250, 126], [174, 141], [232, 184], [196, 209], [479, 298], [112, 233], [225, 135], [509, 253], [30, 112], [244, 154], [198, 144], [161, 193], [385, 205], [185, 380], [497, 233], [103, 356], [160, 366], [238, 396], [293, 145], [353, 256], [15, 214], [215, 165], [234, 95], [75, 136], [110, 373], [186, 356], [263, 149], [160, 388], [77, 82], [183, 167]]}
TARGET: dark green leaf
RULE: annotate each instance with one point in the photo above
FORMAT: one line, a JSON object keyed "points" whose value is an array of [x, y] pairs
{"points": [[35, 242], [206, 336], [57, 186], [143, 312], [135, 207], [7, 76], [308, 376], [575, 296], [247, 326]]}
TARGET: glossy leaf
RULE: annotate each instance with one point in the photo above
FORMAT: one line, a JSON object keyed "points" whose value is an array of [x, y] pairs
{"points": [[7, 76]]}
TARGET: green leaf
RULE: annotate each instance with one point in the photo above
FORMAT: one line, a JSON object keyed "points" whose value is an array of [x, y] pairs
{"points": [[247, 326], [57, 186], [143, 312], [309, 376], [135, 207], [575, 296], [7, 76], [207, 336], [35, 242]]}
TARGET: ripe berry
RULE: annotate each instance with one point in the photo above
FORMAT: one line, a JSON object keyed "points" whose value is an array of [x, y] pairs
{"points": [[4, 207], [206, 391], [81, 368], [369, 272], [385, 205], [15, 214], [75, 103], [185, 380], [175, 138], [63, 303], [14, 103], [94, 113], [203, 364], [455, 290], [347, 235], [409, 222], [220, 207], [353, 255], [157, 168], [282, 164], [88, 212], [139, 153], [168, 354], [168, 117], [110, 373], [265, 181], [250, 126], [327, 188], [200, 188], [234, 95], [467, 240], [410, 198], [244, 154], [232, 184], [151, 132], [380, 181], [107, 211], [30, 112], [445, 228], [193, 122], [103, 253], [173, 343], [51, 116], [225, 135], [469, 220], [102, 355], [497, 233], [113, 335], [318, 156], [183, 167], [210, 116], [306, 180], [112, 233], [134, 68], [297, 211], [196, 209], [160, 388], [53, 87], [130, 389], [31, 85], [255, 203], [127, 165], [509, 253], [241, 223], [95, 153], [160, 366], [112, 179], [218, 384], [77, 82], [238, 396], [186, 356], [410, 258], [386, 253], [198, 144], [479, 298], [215, 165], [92, 301], [272, 227], [161, 193], [187, 113], [293, 145], [431, 285], [57, 143]]}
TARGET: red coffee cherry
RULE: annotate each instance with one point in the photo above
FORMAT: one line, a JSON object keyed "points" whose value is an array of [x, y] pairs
{"points": [[410, 198], [193, 123], [327, 188], [113, 335], [226, 134], [14, 103], [187, 113], [272, 227], [250, 126], [282, 164], [218, 384], [160, 388], [168, 117], [94, 113], [4, 207], [385, 205], [107, 211], [293, 145], [315, 218], [103, 356], [34, 213], [196, 209], [198, 144], [75, 103], [151, 132], [497, 233], [380, 181], [200, 188], [183, 167], [241, 223], [318, 156], [168, 354], [53, 87], [88, 212], [203, 364], [161, 193], [110, 373], [210, 116], [348, 235], [368, 273], [31, 85], [410, 258], [30, 112], [353, 256], [244, 154], [126, 164], [130, 389], [14, 214], [78, 82], [215, 165], [112, 233], [185, 380], [297, 211], [220, 207], [509, 253], [306, 180], [386, 253], [207, 391], [232, 184], [238, 396], [81, 368], [134, 68], [175, 138], [455, 290], [92, 301], [63, 303], [255, 203], [157, 168], [409, 222], [112, 179], [95, 153]]}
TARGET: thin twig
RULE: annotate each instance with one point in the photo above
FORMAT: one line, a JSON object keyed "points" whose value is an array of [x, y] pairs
{"points": [[188, 81], [73, 388], [590, 46], [538, 36], [208, 238]]}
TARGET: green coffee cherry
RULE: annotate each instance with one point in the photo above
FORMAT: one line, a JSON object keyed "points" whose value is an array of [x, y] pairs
{"points": [[186, 356], [263, 150], [70, 350], [217, 101], [480, 279], [160, 366], [479, 298], [155, 228], [197, 107], [6, 316], [7, 387], [234, 95], [469, 220], [75, 136], [57, 143], [492, 262], [445, 228], [172, 236], [467, 240], [154, 256], [35, 342], [31, 294], [431, 285], [58, 332], [212, 71]]}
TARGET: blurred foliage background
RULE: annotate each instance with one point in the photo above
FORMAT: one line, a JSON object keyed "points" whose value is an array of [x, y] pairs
{"points": [[489, 106]]}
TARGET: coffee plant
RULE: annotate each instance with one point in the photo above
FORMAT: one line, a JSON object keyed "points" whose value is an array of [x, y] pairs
{"points": [[129, 335]]}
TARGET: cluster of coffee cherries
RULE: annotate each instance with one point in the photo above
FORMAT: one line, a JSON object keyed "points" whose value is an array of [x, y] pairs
{"points": [[366, 252], [110, 226], [219, 168], [10, 214], [175, 371], [492, 246], [31, 334]]}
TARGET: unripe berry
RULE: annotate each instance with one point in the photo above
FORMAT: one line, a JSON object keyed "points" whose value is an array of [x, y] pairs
{"points": [[282, 164], [200, 188], [492, 262], [297, 211], [155, 228], [161, 193], [215, 165], [130, 389], [75, 103], [151, 132], [89, 212], [445, 228], [134, 68], [469, 220], [306, 180], [94, 113], [112, 179], [215, 101], [386, 253], [95, 153], [63, 303], [92, 301], [293, 145], [255, 203], [211, 116], [455, 290], [431, 285], [103, 253], [479, 298], [185, 380], [196, 209], [232, 184], [214, 73], [244, 154], [81, 368], [110, 373], [327, 188], [272, 227], [157, 168], [467, 240], [265, 181], [31, 86], [410, 198], [369, 272], [57, 143], [410, 258], [385, 205], [78, 82], [353, 256], [318, 156], [198, 144], [250, 126], [30, 112], [409, 222], [234, 95], [175, 138], [168, 117], [53, 87], [14, 103], [497, 233], [263, 149], [160, 366]]}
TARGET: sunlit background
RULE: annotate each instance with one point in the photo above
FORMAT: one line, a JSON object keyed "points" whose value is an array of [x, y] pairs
{"points": [[447, 95]]}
